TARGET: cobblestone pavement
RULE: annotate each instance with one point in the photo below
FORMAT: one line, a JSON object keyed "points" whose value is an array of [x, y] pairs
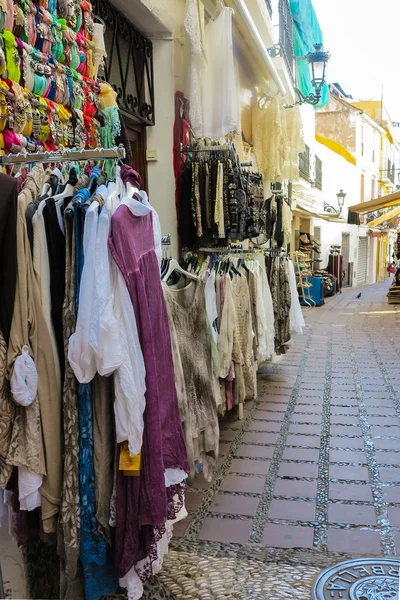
{"points": [[311, 475]]}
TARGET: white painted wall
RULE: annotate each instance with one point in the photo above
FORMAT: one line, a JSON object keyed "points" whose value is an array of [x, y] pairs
{"points": [[160, 138]]}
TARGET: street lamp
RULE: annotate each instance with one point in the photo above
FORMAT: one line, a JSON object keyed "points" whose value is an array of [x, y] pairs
{"points": [[341, 195], [317, 62]]}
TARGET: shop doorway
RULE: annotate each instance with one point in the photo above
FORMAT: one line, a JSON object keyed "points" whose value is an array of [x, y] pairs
{"points": [[362, 263], [317, 238], [346, 258], [136, 134]]}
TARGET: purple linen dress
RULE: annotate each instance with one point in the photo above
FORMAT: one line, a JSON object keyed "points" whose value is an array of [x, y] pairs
{"points": [[142, 501]]}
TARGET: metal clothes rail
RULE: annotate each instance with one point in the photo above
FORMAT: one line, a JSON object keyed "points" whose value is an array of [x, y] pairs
{"points": [[228, 250], [118, 152]]}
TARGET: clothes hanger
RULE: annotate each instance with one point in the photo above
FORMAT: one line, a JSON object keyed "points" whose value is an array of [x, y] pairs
{"points": [[175, 266], [69, 190], [218, 10]]}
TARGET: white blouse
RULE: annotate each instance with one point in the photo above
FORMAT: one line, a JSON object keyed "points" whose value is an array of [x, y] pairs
{"points": [[80, 353]]}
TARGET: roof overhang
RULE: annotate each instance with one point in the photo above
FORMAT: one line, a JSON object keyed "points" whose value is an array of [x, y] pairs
{"points": [[306, 211], [388, 201], [386, 218]]}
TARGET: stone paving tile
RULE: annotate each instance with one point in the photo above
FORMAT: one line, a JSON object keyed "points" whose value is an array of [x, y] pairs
{"points": [[394, 515], [306, 407], [387, 444], [295, 488], [350, 491], [300, 470], [237, 483], [246, 450], [235, 505], [388, 458], [224, 530], [181, 527], [309, 429], [352, 514], [273, 406], [348, 472], [264, 426], [347, 456], [269, 416], [343, 410], [389, 475], [347, 442], [260, 438], [304, 418], [312, 441], [292, 510], [287, 536], [193, 500], [300, 454], [354, 541], [252, 467]]}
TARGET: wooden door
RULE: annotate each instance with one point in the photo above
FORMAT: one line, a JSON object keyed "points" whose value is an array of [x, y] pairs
{"points": [[137, 139]]}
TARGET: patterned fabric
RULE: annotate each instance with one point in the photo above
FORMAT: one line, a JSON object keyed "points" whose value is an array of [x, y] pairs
{"points": [[99, 576], [191, 348], [281, 298], [70, 507], [7, 412]]}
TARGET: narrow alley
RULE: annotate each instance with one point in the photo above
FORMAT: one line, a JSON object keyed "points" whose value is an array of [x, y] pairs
{"points": [[311, 476]]}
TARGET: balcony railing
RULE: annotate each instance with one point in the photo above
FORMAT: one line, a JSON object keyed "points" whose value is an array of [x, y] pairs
{"points": [[129, 63], [269, 7], [286, 35], [304, 164], [318, 173]]}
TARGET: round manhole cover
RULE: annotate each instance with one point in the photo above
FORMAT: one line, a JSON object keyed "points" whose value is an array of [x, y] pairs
{"points": [[363, 579]]}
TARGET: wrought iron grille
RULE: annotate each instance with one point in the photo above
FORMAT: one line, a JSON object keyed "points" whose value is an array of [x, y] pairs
{"points": [[129, 63], [269, 7], [318, 173], [286, 35], [304, 164]]}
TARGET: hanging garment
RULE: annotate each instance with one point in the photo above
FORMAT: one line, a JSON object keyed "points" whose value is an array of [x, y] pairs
{"points": [[220, 87], [7, 413], [196, 64], [292, 143], [211, 304], [265, 314], [281, 297], [241, 300], [8, 252], [297, 322], [100, 576], [192, 333], [41, 267], [36, 436], [70, 503], [266, 123], [56, 246], [132, 247], [286, 224]]}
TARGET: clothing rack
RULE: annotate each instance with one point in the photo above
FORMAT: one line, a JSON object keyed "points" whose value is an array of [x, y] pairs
{"points": [[216, 148], [224, 148], [228, 250], [118, 152]]}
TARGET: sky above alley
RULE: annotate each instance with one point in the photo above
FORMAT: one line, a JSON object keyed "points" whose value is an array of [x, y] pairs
{"points": [[363, 37]]}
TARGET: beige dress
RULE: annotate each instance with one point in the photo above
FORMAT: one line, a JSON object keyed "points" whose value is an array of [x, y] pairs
{"points": [[244, 333], [191, 345], [36, 436]]}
